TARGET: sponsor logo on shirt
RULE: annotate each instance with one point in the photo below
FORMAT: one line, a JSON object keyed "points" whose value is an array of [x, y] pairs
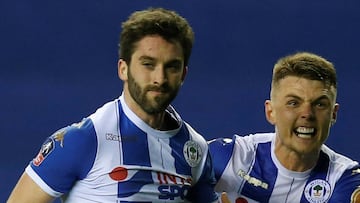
{"points": [[317, 191], [252, 180], [356, 171], [133, 181], [112, 137], [192, 153]]}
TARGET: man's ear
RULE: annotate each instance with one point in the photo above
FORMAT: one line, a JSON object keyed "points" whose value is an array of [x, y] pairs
{"points": [[123, 70], [269, 112], [185, 70], [334, 114]]}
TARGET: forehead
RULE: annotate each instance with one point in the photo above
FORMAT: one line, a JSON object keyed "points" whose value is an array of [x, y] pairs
{"points": [[155, 45], [302, 87]]}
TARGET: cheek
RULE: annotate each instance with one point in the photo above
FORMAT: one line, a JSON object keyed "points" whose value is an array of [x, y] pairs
{"points": [[326, 123], [325, 117], [285, 119], [282, 122], [284, 115], [140, 78], [175, 80]]}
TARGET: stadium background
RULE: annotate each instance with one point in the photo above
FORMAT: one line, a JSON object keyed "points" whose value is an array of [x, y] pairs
{"points": [[58, 64]]}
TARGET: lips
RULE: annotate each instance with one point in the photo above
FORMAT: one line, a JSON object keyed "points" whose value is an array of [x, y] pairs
{"points": [[163, 88], [305, 132]]}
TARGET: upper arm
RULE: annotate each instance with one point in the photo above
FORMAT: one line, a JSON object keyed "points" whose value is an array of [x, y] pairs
{"points": [[64, 158], [221, 150], [203, 190], [27, 191]]}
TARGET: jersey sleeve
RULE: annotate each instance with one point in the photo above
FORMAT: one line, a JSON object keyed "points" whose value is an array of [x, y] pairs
{"points": [[65, 157], [347, 189], [203, 190], [221, 150]]}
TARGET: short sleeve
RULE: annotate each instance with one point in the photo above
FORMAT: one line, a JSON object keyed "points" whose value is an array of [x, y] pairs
{"points": [[64, 157], [221, 150]]}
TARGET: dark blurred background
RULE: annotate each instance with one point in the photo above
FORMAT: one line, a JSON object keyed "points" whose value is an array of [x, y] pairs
{"points": [[58, 63]]}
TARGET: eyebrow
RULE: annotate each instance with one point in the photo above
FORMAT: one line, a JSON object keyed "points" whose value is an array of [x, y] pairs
{"points": [[175, 60], [146, 58], [299, 98]]}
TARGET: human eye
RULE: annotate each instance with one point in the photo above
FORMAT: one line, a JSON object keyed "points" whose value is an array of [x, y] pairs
{"points": [[174, 66], [174, 69], [147, 64], [292, 103], [322, 104]]}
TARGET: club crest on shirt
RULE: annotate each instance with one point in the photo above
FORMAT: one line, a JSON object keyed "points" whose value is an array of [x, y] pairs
{"points": [[355, 196], [317, 191], [192, 153]]}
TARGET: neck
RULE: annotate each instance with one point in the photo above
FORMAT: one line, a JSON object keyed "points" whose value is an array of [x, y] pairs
{"points": [[294, 160], [159, 121]]}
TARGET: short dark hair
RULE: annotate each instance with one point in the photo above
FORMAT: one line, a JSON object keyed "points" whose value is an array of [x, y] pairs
{"points": [[155, 21], [306, 65]]}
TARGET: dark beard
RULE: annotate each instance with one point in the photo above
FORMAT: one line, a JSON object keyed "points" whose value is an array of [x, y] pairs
{"points": [[160, 102]]}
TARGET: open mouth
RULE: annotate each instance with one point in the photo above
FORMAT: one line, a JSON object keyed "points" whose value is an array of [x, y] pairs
{"points": [[305, 132]]}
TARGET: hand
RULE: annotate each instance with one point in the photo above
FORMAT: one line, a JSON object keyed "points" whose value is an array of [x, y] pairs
{"points": [[224, 198]]}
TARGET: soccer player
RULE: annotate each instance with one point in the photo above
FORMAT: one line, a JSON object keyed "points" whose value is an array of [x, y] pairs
{"points": [[292, 164], [136, 148]]}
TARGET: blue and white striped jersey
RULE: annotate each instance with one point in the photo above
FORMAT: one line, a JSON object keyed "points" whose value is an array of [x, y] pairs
{"points": [[248, 170], [113, 156]]}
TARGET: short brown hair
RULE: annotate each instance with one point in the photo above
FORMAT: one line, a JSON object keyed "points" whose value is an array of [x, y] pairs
{"points": [[155, 21], [306, 65]]}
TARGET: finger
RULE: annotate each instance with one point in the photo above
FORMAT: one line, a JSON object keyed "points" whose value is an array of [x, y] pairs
{"points": [[224, 198]]}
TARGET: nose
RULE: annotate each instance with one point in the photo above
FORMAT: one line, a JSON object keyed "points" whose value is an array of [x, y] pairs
{"points": [[307, 111], [159, 75]]}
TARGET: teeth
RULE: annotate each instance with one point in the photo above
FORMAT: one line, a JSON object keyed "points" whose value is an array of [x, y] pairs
{"points": [[304, 135], [305, 130]]}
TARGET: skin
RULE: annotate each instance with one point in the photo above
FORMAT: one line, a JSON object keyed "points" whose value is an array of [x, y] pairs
{"points": [[151, 82], [152, 79], [224, 198], [300, 105], [27, 191]]}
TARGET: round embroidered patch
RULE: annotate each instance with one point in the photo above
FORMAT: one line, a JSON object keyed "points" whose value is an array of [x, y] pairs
{"points": [[317, 191], [192, 153], [355, 197]]}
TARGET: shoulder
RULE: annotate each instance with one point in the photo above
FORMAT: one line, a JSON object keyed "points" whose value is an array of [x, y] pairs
{"points": [[195, 136], [245, 144], [347, 188], [65, 156], [109, 108], [238, 150], [194, 142], [338, 161], [346, 173], [74, 141], [82, 132]]}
